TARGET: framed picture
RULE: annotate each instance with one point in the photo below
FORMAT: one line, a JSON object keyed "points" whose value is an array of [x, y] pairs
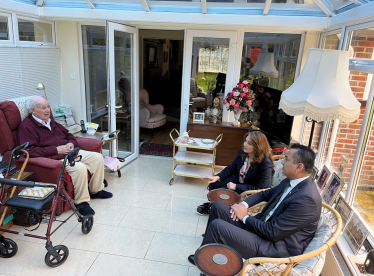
{"points": [[281, 118], [332, 189], [198, 117], [166, 56], [343, 209], [355, 233], [314, 173], [323, 178]]}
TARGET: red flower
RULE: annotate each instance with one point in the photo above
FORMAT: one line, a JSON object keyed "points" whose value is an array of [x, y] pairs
{"points": [[240, 85], [236, 106], [242, 95]]}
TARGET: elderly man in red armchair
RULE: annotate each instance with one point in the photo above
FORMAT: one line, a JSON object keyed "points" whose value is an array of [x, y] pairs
{"points": [[50, 139]]}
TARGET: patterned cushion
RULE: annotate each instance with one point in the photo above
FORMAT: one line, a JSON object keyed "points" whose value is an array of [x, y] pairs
{"points": [[21, 103], [278, 173], [142, 104]]}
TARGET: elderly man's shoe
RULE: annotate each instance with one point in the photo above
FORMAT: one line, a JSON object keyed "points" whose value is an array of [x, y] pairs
{"points": [[191, 259], [203, 210], [84, 209], [102, 194]]}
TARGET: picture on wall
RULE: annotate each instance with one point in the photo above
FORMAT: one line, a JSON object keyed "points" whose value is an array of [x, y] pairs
{"points": [[355, 233], [323, 178], [343, 209], [198, 117], [332, 189]]}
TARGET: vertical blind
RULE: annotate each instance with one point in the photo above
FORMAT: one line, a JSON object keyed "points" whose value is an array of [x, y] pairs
{"points": [[22, 68]]}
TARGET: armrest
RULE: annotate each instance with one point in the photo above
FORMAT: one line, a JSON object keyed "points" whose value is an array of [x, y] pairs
{"points": [[202, 95], [156, 108], [144, 114], [89, 144], [246, 194], [43, 162]]}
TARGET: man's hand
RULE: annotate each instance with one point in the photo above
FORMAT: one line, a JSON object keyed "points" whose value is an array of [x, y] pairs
{"points": [[211, 179], [63, 149], [238, 212], [231, 186], [70, 146]]}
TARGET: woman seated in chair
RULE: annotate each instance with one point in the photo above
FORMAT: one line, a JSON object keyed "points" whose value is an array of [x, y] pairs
{"points": [[252, 169]]}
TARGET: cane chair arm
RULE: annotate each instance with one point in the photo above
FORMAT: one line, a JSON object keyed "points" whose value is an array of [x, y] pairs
{"points": [[277, 157], [247, 194], [273, 266]]}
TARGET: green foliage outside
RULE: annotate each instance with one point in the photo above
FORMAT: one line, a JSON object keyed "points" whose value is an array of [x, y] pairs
{"points": [[201, 82]]}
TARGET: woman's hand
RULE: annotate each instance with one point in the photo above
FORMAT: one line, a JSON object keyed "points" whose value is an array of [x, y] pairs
{"points": [[231, 186], [211, 179]]}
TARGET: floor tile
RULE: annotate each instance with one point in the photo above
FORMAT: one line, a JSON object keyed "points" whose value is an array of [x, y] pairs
{"points": [[172, 248], [108, 214], [193, 271], [112, 240], [161, 221], [29, 260], [128, 182], [117, 265], [56, 238], [134, 198], [201, 226], [182, 204], [178, 188]]}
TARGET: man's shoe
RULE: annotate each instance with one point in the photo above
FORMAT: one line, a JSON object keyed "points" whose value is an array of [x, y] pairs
{"points": [[102, 194], [203, 235], [84, 209], [191, 259], [204, 204], [203, 210]]}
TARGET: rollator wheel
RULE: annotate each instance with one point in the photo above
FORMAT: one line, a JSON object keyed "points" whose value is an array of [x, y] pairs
{"points": [[11, 248], [105, 183], [171, 181], [62, 251], [87, 224]]}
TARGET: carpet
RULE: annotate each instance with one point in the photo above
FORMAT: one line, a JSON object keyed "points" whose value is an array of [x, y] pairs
{"points": [[156, 149]]}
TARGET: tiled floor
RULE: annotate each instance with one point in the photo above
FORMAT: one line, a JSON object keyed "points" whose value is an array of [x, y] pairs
{"points": [[147, 228]]}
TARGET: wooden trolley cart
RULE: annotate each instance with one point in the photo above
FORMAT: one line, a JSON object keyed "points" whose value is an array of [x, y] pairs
{"points": [[199, 164]]}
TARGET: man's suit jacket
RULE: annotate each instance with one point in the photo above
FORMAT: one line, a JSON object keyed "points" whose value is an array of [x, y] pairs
{"points": [[293, 224], [256, 178]]}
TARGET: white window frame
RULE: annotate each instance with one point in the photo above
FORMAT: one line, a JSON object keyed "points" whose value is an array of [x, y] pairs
{"points": [[10, 41], [33, 43]]}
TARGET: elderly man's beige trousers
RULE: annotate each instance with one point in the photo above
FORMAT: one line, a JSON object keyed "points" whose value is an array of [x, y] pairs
{"points": [[94, 163]]}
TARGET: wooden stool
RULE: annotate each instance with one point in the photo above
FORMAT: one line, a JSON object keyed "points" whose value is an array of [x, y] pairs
{"points": [[218, 260], [226, 196]]}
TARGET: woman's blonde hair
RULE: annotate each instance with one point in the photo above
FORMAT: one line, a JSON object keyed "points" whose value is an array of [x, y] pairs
{"points": [[261, 146]]}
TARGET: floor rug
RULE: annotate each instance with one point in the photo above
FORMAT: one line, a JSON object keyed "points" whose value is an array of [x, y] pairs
{"points": [[156, 149]]}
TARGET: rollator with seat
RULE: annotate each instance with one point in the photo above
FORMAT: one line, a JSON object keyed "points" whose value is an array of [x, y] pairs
{"points": [[41, 210]]}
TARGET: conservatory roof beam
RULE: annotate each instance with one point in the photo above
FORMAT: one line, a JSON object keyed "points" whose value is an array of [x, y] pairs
{"points": [[90, 4], [356, 2], [145, 5], [40, 3], [325, 8], [267, 7], [203, 6]]}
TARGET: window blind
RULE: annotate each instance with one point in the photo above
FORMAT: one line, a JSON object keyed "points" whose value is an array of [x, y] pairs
{"points": [[22, 68]]}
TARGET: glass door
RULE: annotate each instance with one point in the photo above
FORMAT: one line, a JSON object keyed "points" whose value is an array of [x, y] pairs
{"points": [[122, 84]]}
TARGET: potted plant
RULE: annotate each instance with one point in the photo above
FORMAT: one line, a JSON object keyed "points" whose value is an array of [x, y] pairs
{"points": [[210, 83]]}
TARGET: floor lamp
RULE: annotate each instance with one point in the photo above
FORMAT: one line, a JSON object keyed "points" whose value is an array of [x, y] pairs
{"points": [[322, 91]]}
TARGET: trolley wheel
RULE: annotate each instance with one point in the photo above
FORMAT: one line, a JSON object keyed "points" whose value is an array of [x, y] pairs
{"points": [[87, 224], [171, 181], [105, 183], [119, 173], [11, 248], [63, 253]]}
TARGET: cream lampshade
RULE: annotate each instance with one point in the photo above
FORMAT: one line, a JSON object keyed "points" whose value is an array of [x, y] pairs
{"points": [[322, 91], [40, 87], [265, 65]]}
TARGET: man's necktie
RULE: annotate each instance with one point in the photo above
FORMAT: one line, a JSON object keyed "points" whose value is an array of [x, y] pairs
{"points": [[274, 203]]}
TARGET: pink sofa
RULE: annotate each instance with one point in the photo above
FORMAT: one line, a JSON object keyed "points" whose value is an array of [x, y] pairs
{"points": [[150, 116], [44, 169]]}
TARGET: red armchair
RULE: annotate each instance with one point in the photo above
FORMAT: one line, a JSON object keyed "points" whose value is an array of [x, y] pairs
{"points": [[44, 169]]}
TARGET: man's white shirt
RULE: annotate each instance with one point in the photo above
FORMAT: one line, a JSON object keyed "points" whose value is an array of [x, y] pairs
{"points": [[47, 124], [293, 184]]}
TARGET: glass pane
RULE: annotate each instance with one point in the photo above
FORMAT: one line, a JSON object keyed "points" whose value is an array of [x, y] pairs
{"points": [[210, 58], [338, 3], [290, 74], [123, 55], [288, 1], [332, 42], [34, 31], [4, 35], [95, 76]]}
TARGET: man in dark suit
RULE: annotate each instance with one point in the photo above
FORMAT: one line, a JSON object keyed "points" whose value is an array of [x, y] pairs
{"points": [[287, 223]]}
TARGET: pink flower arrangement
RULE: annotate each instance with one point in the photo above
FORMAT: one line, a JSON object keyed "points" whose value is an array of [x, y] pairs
{"points": [[240, 98]]}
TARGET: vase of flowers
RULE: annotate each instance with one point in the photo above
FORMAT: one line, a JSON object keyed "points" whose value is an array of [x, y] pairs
{"points": [[239, 100]]}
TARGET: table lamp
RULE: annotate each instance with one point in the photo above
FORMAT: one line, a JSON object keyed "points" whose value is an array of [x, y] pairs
{"points": [[40, 87]]}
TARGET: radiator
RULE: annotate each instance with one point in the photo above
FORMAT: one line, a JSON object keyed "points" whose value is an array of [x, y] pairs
{"points": [[335, 264]]}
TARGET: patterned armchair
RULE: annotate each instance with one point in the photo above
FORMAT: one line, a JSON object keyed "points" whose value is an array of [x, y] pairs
{"points": [[150, 116]]}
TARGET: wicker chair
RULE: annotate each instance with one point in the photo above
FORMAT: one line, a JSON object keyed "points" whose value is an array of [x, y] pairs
{"points": [[262, 266]]}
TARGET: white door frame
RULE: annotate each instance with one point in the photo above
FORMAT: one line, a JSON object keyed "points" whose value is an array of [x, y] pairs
{"points": [[187, 62], [110, 28]]}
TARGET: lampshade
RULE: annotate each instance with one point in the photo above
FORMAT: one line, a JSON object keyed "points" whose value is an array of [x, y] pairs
{"points": [[264, 66], [40, 86], [322, 90]]}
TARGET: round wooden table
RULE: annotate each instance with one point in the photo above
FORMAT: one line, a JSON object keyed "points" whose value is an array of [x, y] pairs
{"points": [[218, 260], [226, 196]]}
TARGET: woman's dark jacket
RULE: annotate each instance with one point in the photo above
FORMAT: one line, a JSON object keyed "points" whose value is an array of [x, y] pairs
{"points": [[258, 177]]}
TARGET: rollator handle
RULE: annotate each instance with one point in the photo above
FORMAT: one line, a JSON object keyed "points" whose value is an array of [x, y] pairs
{"points": [[26, 184], [72, 158], [17, 153]]}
